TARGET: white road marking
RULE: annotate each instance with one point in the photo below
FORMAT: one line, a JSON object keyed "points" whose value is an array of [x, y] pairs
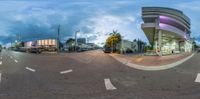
{"points": [[198, 78], [33, 70], [109, 85], [0, 62], [66, 71], [16, 61]]}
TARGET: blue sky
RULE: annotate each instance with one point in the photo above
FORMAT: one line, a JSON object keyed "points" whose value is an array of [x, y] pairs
{"points": [[38, 19]]}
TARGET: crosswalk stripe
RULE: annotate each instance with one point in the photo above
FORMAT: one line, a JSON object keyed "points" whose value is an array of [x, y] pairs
{"points": [[197, 78], [109, 85]]}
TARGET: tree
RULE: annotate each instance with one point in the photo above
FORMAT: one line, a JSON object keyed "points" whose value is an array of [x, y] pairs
{"points": [[60, 45], [70, 43], [70, 40], [19, 44], [113, 40], [22, 44]]}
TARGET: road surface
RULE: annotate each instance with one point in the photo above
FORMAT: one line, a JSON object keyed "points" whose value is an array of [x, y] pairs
{"points": [[92, 75]]}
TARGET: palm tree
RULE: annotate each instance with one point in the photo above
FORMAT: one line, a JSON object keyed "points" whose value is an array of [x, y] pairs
{"points": [[114, 38]]}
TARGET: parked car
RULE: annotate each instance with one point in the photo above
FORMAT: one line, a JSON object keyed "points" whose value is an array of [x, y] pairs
{"points": [[52, 49], [66, 49], [198, 50], [107, 50], [128, 50], [35, 50]]}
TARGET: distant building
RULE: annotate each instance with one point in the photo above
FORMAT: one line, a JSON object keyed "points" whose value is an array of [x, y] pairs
{"points": [[81, 45], [46, 44], [92, 45], [127, 46], [81, 40]]}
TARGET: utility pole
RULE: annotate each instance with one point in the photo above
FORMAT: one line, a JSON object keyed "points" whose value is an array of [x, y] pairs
{"points": [[87, 39], [122, 47], [112, 46], [20, 37], [58, 39]]}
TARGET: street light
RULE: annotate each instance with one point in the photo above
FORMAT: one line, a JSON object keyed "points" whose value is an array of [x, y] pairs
{"points": [[76, 39]]}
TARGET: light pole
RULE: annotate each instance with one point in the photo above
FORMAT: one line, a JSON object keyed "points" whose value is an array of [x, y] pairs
{"points": [[112, 45], [76, 39]]}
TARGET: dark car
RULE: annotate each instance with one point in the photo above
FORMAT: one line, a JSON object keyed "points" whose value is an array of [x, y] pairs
{"points": [[107, 50], [35, 50], [198, 50]]}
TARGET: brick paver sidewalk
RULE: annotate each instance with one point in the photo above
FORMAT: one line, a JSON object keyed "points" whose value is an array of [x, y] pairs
{"points": [[153, 60]]}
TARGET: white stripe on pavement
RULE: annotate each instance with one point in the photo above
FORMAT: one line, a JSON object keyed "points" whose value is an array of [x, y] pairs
{"points": [[16, 61], [0, 62], [33, 70], [66, 71], [109, 85], [198, 78]]}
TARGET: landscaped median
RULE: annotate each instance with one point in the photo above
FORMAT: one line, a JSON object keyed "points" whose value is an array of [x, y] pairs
{"points": [[152, 62]]}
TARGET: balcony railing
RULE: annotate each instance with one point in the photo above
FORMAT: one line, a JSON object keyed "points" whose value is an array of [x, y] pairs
{"points": [[148, 25]]}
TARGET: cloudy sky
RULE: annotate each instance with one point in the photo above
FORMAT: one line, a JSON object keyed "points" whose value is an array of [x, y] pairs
{"points": [[39, 19]]}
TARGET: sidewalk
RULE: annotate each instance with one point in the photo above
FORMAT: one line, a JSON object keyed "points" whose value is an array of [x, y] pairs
{"points": [[155, 60], [152, 62]]}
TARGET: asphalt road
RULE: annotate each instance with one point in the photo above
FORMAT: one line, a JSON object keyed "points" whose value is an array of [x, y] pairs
{"points": [[91, 75]]}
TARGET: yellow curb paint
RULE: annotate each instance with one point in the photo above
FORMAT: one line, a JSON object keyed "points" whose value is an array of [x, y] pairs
{"points": [[139, 59]]}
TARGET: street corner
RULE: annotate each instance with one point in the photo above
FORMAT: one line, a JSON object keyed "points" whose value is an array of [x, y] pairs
{"points": [[99, 49], [153, 63]]}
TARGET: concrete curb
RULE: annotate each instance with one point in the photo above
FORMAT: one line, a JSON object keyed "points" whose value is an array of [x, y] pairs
{"points": [[151, 68]]}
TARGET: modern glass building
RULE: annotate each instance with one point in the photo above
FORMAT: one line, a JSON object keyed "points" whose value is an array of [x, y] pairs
{"points": [[167, 29]]}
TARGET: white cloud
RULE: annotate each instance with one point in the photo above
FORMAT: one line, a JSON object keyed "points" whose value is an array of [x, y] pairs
{"points": [[101, 26], [97, 18], [191, 9], [192, 5]]}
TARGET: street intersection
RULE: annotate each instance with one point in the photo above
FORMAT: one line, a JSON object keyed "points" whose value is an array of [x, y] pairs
{"points": [[92, 75]]}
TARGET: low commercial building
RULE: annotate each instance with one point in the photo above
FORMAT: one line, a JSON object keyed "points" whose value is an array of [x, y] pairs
{"points": [[127, 45], [92, 46], [167, 29], [45, 44], [135, 46], [81, 45]]}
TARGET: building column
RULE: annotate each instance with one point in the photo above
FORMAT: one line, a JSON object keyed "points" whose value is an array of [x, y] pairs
{"points": [[159, 42]]}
